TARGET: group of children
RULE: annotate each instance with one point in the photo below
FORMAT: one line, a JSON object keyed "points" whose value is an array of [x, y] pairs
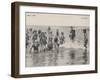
{"points": [[41, 41], [38, 40]]}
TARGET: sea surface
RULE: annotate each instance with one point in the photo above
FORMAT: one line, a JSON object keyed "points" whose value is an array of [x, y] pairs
{"points": [[63, 57]]}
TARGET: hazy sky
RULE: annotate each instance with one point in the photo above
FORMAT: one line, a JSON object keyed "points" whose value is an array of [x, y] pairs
{"points": [[57, 19]]}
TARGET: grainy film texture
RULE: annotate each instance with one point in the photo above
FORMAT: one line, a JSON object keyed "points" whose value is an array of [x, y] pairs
{"points": [[56, 39]]}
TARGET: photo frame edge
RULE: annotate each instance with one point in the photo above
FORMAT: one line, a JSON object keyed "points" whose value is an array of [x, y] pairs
{"points": [[15, 40]]}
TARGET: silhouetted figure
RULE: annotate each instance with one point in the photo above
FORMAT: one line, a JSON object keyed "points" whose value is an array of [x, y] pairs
{"points": [[72, 34], [56, 40], [85, 38]]}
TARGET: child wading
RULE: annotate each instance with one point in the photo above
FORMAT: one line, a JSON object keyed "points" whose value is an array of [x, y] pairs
{"points": [[50, 39], [62, 38], [43, 41], [35, 44], [56, 41], [50, 42]]}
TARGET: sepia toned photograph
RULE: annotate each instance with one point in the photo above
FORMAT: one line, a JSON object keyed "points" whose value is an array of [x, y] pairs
{"points": [[56, 39], [53, 39]]}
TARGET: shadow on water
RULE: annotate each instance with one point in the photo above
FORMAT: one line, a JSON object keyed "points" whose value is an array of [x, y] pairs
{"points": [[85, 56], [72, 56], [79, 56], [69, 56]]}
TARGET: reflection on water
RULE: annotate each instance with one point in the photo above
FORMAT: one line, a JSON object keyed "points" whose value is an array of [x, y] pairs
{"points": [[65, 56]]}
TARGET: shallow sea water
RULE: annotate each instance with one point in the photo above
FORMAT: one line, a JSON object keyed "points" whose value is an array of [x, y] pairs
{"points": [[65, 56]]}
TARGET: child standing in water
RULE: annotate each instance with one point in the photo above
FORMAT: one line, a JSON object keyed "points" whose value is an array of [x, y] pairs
{"points": [[36, 46], [43, 41], [56, 40], [35, 43], [62, 38], [49, 39]]}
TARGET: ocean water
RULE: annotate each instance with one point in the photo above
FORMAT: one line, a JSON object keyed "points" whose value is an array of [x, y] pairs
{"points": [[69, 53], [62, 57]]}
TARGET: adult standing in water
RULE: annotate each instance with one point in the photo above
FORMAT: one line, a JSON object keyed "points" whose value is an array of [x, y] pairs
{"points": [[85, 38], [72, 34], [72, 38]]}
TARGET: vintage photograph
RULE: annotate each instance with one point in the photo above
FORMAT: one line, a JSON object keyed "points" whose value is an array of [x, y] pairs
{"points": [[53, 39], [56, 39]]}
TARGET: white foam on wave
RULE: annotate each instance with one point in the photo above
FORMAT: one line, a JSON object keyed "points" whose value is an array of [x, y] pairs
{"points": [[72, 45]]}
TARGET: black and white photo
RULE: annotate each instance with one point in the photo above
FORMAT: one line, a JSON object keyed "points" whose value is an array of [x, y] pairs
{"points": [[53, 39], [57, 39]]}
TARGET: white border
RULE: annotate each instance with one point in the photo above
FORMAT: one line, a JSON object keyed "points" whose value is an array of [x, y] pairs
{"points": [[32, 70]]}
